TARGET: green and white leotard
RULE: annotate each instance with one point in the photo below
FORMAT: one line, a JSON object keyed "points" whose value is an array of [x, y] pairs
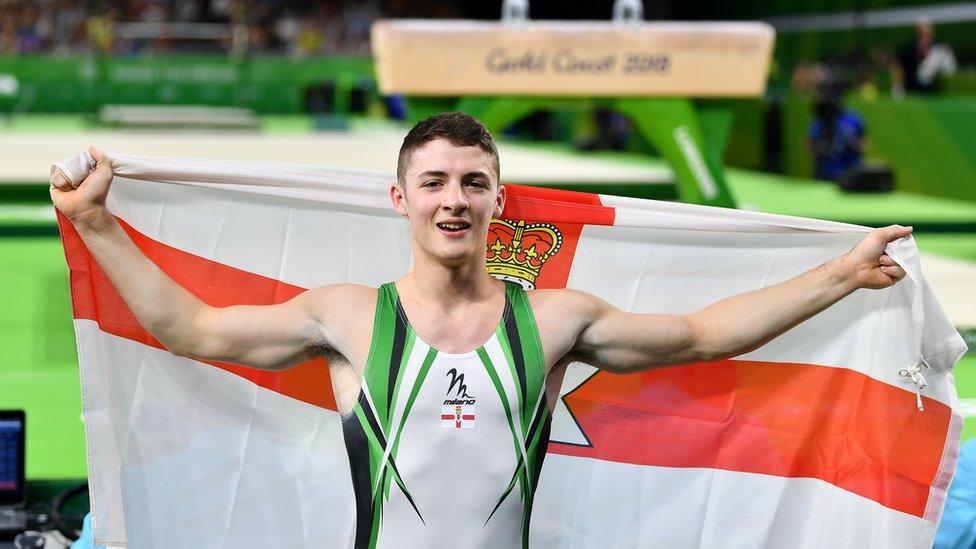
{"points": [[446, 449]]}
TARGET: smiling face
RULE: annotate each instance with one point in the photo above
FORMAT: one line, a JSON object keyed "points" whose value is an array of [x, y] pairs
{"points": [[449, 194]]}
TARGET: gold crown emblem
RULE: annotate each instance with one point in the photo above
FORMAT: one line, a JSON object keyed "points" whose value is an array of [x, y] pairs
{"points": [[516, 251]]}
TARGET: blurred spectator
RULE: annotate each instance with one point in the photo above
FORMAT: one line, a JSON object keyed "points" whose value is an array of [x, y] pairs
{"points": [[866, 84], [921, 61], [358, 20], [611, 131], [834, 75], [836, 137], [68, 26], [100, 32], [396, 106], [29, 30], [808, 77], [308, 40], [286, 28], [8, 35]]}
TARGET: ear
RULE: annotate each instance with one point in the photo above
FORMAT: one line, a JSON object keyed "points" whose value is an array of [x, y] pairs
{"points": [[499, 201], [399, 199]]}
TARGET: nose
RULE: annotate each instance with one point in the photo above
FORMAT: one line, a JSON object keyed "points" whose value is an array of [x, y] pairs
{"points": [[454, 199]]}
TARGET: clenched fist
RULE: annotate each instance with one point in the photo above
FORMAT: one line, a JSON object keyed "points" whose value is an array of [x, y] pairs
{"points": [[84, 204]]}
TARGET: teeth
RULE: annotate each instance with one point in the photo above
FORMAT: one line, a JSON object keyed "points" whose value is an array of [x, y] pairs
{"points": [[453, 226]]}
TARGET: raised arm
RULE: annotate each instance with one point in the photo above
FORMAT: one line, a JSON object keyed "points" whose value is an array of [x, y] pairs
{"points": [[266, 337], [620, 341]]}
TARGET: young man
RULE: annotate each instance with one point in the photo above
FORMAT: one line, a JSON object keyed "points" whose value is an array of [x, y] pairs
{"points": [[447, 345]]}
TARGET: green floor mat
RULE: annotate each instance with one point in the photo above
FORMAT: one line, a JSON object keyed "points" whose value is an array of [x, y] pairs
{"points": [[39, 364], [782, 195], [955, 245]]}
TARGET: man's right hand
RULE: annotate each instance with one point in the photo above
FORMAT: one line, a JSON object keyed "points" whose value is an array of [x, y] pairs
{"points": [[84, 205]]}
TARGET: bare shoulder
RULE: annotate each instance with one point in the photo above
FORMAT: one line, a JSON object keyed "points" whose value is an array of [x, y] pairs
{"points": [[564, 303], [333, 299], [344, 314], [561, 316]]}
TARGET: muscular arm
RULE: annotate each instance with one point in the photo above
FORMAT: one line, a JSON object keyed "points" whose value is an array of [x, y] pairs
{"points": [[266, 337], [620, 341]]}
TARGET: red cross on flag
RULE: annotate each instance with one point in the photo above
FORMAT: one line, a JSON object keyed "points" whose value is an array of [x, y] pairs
{"points": [[457, 417]]}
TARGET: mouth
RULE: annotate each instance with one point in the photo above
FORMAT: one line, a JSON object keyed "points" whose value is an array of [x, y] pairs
{"points": [[454, 227]]}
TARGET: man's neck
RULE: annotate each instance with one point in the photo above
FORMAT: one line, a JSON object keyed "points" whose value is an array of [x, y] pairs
{"points": [[444, 286]]}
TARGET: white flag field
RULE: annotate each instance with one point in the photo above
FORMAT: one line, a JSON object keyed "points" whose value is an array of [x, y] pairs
{"points": [[814, 440]]}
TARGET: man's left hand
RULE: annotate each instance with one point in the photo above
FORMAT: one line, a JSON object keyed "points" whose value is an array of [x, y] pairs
{"points": [[871, 266]]}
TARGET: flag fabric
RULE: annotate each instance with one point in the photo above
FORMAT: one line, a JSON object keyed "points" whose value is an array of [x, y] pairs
{"points": [[814, 440]]}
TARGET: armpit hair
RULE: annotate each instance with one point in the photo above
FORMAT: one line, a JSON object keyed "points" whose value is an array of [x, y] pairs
{"points": [[582, 353], [319, 346]]}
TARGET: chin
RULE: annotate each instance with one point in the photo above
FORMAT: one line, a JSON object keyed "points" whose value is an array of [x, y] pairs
{"points": [[454, 257], [451, 253]]}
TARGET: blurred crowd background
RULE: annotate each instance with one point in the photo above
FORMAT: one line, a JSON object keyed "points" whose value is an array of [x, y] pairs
{"points": [[166, 26], [874, 63]]}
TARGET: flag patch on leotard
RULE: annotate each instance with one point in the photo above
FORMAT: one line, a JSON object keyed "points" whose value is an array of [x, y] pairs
{"points": [[457, 417]]}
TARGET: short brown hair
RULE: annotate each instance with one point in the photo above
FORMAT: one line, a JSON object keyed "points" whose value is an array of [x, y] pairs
{"points": [[460, 129]]}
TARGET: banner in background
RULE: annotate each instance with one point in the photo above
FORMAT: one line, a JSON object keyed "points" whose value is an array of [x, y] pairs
{"points": [[575, 58]]}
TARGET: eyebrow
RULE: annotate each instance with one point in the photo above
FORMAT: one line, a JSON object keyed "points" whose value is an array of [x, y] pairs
{"points": [[469, 175]]}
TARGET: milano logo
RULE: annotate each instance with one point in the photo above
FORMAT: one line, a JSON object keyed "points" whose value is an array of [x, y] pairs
{"points": [[458, 409], [461, 395]]}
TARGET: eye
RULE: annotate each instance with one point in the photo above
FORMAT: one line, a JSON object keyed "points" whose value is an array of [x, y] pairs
{"points": [[478, 183]]}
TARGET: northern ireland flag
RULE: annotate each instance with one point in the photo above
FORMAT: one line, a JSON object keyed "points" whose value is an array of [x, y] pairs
{"points": [[816, 439]]}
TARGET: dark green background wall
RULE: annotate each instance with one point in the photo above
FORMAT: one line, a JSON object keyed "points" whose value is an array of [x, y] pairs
{"points": [[265, 84]]}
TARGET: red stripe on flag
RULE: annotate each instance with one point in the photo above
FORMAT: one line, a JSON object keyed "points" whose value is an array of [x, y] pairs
{"points": [[94, 298], [834, 424], [555, 206]]}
